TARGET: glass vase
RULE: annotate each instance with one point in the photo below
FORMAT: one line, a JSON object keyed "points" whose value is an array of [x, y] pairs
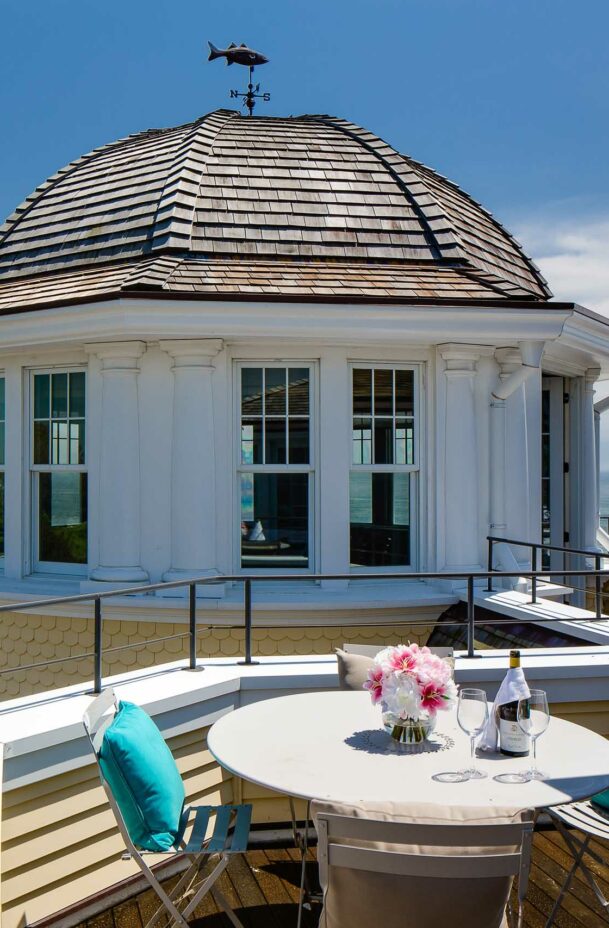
{"points": [[409, 731]]}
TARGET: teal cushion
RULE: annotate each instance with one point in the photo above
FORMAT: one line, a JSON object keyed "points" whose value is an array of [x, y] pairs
{"points": [[602, 800], [143, 778]]}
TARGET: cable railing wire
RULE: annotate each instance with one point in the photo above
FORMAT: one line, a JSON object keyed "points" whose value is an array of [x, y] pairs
{"points": [[247, 626]]}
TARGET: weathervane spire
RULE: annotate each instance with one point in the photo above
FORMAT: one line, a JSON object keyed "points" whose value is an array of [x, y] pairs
{"points": [[241, 54]]}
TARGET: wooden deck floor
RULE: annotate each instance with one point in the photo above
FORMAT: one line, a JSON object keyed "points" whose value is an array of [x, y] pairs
{"points": [[263, 889]]}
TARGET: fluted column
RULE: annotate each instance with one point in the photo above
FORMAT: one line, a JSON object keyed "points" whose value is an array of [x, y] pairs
{"points": [[119, 500], [193, 478], [460, 458], [589, 459]]}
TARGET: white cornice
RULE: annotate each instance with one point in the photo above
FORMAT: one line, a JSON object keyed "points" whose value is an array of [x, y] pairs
{"points": [[154, 320]]}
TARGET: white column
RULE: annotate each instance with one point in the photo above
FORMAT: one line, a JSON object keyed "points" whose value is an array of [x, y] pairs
{"points": [[119, 497], [193, 478], [461, 458], [589, 459], [334, 460], [509, 455]]}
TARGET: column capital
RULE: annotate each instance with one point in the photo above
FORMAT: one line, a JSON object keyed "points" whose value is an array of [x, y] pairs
{"points": [[590, 377], [508, 358], [462, 357], [192, 352], [123, 355]]}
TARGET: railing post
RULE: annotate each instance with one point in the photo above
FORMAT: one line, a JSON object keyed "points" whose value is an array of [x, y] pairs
{"points": [[599, 587], [489, 566], [471, 650], [192, 609], [97, 648], [533, 578], [247, 615]]}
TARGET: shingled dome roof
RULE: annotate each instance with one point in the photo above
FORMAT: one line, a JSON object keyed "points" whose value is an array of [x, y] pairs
{"points": [[232, 205]]}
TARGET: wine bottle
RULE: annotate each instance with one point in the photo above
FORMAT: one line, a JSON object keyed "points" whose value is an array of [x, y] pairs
{"points": [[512, 740]]}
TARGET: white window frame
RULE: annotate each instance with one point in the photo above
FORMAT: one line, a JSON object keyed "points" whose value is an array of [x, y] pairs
{"points": [[311, 468], [36, 566], [413, 469]]}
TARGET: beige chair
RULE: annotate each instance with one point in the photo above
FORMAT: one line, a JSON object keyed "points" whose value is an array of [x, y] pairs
{"points": [[354, 661], [420, 866]]}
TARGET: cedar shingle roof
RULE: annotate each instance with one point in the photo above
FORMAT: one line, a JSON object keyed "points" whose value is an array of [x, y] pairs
{"points": [[239, 280], [310, 205]]}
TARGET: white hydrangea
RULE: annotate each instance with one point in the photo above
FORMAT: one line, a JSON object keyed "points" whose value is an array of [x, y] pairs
{"points": [[401, 696]]}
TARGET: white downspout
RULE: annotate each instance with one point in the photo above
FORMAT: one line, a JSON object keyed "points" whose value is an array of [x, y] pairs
{"points": [[531, 353]]}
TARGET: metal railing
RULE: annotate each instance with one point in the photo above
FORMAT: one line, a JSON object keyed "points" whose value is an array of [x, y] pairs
{"points": [[470, 579], [536, 546]]}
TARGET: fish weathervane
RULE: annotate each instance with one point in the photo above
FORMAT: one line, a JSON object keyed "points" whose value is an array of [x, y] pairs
{"points": [[249, 58]]}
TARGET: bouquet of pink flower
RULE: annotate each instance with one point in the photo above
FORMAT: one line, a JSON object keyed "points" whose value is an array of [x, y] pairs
{"points": [[411, 684]]}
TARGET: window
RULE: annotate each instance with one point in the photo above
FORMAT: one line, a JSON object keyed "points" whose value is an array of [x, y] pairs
{"points": [[275, 472], [59, 478], [382, 481], [2, 461]]}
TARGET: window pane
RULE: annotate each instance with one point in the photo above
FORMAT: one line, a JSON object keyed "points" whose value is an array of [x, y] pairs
{"points": [[404, 393], [1, 515], [275, 441], [274, 391], [59, 396], [251, 442], [380, 519], [299, 441], [62, 518], [41, 442], [77, 395], [362, 392], [383, 441], [41, 396], [2, 443], [59, 443], [298, 378], [383, 393], [2, 399], [275, 520], [77, 441], [362, 441], [404, 442], [251, 391]]}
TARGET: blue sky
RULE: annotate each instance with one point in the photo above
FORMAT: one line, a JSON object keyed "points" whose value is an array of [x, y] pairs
{"points": [[509, 98]]}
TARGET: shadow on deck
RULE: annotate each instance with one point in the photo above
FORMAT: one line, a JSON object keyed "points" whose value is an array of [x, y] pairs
{"points": [[263, 889]]}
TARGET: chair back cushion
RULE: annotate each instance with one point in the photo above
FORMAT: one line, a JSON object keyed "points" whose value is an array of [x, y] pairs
{"points": [[352, 669], [360, 898], [601, 800], [143, 778], [353, 666]]}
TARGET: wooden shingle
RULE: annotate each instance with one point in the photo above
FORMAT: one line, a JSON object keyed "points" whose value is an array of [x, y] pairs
{"points": [[281, 191]]}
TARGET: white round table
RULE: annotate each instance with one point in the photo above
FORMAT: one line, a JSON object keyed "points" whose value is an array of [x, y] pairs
{"points": [[331, 746]]}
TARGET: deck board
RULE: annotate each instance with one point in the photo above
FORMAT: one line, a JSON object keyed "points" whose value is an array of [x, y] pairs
{"points": [[263, 888]]}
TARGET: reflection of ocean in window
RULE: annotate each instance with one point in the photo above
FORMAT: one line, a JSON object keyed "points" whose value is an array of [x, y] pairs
{"points": [[247, 497], [360, 487], [66, 500]]}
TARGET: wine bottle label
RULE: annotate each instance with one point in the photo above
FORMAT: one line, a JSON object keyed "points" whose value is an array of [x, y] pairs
{"points": [[511, 737]]}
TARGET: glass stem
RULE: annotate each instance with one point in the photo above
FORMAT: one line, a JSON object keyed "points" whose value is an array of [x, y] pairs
{"points": [[473, 742], [534, 740]]}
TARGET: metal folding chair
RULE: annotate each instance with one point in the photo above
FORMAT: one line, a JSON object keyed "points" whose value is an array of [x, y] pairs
{"points": [[229, 836], [585, 818]]}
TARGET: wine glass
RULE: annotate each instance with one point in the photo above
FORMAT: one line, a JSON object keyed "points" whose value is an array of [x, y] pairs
{"points": [[472, 713], [472, 716], [533, 717]]}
